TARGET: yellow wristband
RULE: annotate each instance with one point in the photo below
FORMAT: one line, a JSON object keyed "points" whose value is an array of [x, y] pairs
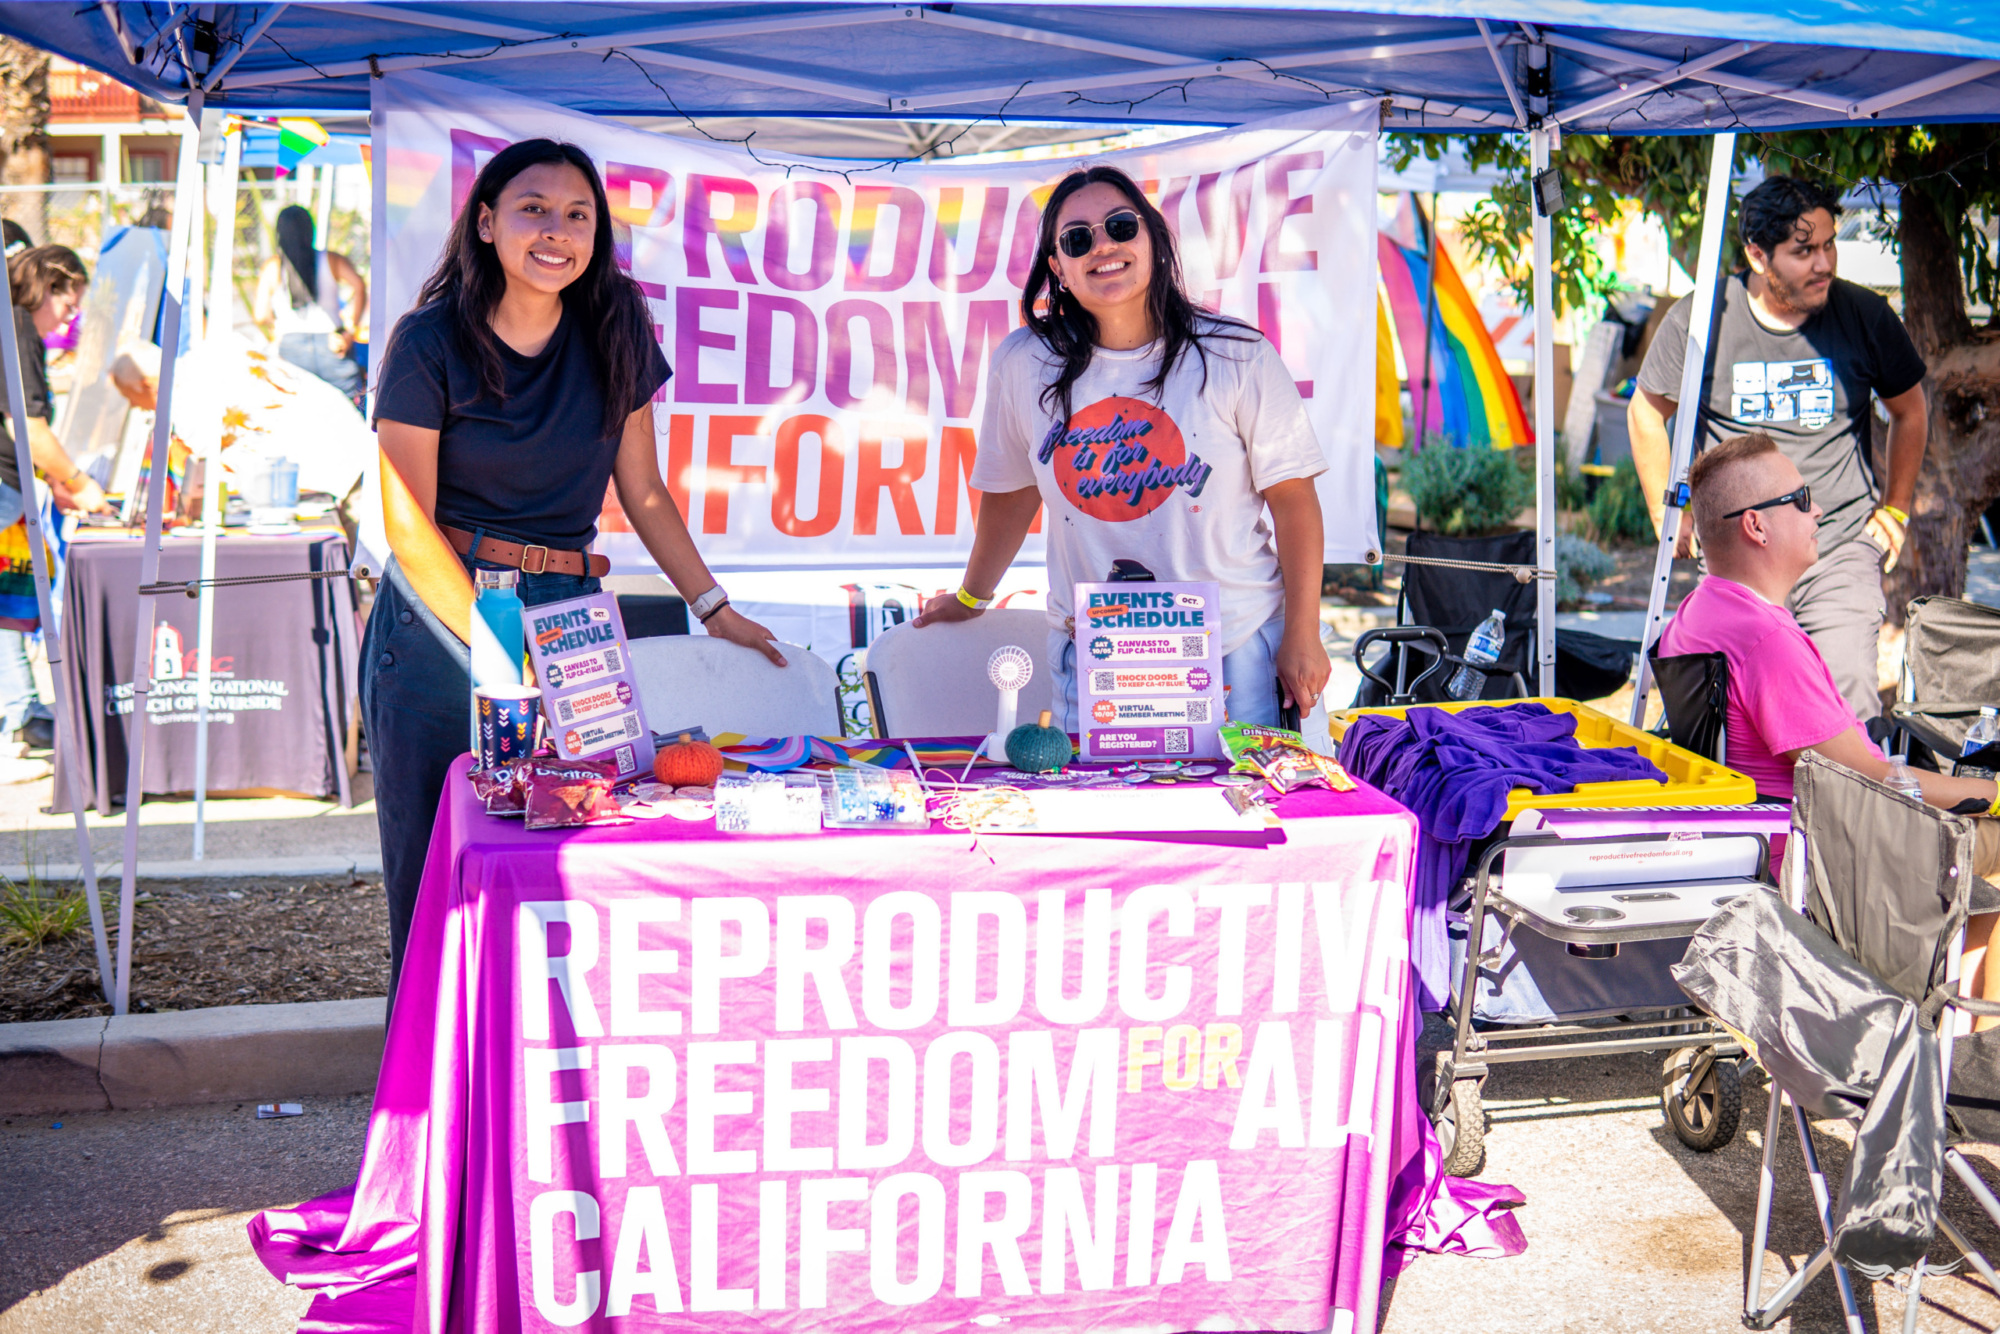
{"points": [[976, 603], [1898, 515], [1993, 807]]}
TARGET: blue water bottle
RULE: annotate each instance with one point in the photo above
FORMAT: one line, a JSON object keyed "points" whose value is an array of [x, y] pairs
{"points": [[498, 640]]}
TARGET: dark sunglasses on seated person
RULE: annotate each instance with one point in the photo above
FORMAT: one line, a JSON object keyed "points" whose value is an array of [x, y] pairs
{"points": [[1077, 238], [1802, 498]]}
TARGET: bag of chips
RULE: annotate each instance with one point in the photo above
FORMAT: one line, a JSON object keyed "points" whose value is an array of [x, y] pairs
{"points": [[565, 794], [503, 788], [1281, 758]]}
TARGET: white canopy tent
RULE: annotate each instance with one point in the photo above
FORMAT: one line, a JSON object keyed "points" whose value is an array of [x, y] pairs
{"points": [[1536, 67]]}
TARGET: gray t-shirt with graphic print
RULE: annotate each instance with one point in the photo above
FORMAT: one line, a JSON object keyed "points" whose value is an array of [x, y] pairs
{"points": [[1808, 388]]}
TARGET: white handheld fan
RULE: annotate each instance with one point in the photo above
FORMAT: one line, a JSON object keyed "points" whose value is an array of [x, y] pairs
{"points": [[1010, 668]]}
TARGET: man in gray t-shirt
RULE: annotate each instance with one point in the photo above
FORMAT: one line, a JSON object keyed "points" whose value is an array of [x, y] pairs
{"points": [[1800, 355]]}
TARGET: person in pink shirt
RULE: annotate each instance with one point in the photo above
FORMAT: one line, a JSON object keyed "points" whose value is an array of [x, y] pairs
{"points": [[1757, 524]]}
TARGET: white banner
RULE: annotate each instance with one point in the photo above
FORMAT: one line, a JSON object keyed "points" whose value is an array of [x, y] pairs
{"points": [[830, 330]]}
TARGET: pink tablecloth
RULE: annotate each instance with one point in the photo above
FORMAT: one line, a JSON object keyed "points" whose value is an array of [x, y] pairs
{"points": [[654, 1076]]}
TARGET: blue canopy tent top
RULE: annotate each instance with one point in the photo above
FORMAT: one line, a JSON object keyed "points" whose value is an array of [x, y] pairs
{"points": [[1537, 67]]}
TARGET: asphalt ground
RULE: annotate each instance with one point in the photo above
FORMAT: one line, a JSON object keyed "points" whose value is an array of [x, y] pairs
{"points": [[133, 1221]]}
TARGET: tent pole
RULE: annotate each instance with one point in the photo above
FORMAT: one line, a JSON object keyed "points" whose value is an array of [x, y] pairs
{"points": [[221, 297], [1423, 403], [67, 742], [1545, 422], [1694, 368], [187, 205]]}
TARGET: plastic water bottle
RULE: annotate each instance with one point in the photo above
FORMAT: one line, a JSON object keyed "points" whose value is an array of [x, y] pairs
{"points": [[1484, 649], [1903, 779], [1983, 734]]}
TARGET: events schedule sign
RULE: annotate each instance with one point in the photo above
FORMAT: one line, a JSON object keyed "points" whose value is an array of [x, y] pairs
{"points": [[1149, 671], [589, 694]]}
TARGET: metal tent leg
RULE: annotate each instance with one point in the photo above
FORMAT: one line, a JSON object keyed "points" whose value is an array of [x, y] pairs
{"points": [[1539, 142], [186, 208], [1714, 222], [1913, 1300]]}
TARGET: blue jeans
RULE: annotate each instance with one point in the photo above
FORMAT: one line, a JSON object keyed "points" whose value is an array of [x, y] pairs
{"points": [[310, 352], [1250, 673], [416, 692], [19, 700]]}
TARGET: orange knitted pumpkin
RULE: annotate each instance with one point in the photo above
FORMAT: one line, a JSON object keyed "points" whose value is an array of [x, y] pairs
{"points": [[688, 763]]}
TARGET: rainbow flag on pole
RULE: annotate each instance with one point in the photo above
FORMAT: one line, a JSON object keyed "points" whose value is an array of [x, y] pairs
{"points": [[297, 137], [1468, 398]]}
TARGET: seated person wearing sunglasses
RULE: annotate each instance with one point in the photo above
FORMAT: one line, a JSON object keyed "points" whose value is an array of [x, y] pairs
{"points": [[1155, 431], [1758, 527]]}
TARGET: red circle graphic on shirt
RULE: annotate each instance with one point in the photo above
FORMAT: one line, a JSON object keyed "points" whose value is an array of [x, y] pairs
{"points": [[1120, 458]]}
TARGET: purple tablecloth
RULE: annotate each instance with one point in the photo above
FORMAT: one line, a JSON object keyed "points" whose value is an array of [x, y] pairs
{"points": [[654, 1076], [285, 667]]}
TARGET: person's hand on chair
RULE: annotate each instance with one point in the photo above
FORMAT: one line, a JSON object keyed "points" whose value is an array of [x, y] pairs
{"points": [[730, 624], [943, 608]]}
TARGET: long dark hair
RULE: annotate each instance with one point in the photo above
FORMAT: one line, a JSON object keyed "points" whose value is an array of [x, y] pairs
{"points": [[606, 304], [296, 256], [1070, 331], [32, 275]]}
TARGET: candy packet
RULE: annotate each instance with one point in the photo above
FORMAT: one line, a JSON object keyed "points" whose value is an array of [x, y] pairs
{"points": [[564, 794], [1282, 758]]}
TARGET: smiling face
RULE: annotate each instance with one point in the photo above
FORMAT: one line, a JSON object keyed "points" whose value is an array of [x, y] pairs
{"points": [[543, 227], [1111, 274], [1799, 272], [54, 313]]}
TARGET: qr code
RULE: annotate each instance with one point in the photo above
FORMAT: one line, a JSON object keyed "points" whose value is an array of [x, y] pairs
{"points": [[565, 711], [1197, 710], [628, 760], [1179, 740], [1103, 683], [632, 726], [1194, 646], [613, 662]]}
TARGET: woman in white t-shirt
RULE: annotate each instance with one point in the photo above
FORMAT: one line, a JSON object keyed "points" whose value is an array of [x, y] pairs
{"points": [[1154, 431]]}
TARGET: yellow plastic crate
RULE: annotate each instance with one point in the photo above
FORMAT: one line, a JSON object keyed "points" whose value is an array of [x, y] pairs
{"points": [[1691, 779]]}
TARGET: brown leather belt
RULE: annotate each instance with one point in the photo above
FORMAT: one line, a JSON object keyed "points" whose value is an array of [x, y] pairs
{"points": [[530, 559]]}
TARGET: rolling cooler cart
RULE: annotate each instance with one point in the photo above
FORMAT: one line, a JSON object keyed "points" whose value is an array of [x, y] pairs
{"points": [[1576, 939]]}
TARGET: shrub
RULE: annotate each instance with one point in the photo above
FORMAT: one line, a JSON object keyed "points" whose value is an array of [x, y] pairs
{"points": [[36, 913], [1580, 563], [1467, 492], [1619, 512]]}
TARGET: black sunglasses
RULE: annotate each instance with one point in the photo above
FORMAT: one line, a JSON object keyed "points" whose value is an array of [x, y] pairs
{"points": [[1801, 498], [1077, 238]]}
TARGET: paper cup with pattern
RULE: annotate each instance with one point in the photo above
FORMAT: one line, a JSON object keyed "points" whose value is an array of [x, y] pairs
{"points": [[506, 722]]}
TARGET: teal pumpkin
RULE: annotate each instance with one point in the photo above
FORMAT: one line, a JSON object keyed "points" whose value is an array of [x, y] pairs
{"points": [[1038, 748]]}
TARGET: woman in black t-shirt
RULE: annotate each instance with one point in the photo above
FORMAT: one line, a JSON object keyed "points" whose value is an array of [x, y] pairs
{"points": [[519, 386]]}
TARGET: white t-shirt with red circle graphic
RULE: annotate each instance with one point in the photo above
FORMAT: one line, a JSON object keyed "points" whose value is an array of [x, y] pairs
{"points": [[1174, 484]]}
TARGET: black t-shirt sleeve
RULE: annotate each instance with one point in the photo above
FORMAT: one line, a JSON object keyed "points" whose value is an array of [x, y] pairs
{"points": [[413, 386], [1661, 373], [1898, 366], [655, 373], [34, 366]]}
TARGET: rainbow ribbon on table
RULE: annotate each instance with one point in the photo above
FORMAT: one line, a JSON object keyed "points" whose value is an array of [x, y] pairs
{"points": [[780, 754], [1470, 399]]}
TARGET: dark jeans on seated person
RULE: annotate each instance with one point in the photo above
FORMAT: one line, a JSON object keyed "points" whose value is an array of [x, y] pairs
{"points": [[416, 702]]}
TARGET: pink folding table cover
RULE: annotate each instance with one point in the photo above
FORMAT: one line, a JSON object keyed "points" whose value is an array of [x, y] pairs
{"points": [[657, 1077]]}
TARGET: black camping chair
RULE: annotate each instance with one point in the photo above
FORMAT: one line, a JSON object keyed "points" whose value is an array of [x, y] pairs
{"points": [[1454, 602], [1694, 687], [1843, 1006], [1951, 666]]}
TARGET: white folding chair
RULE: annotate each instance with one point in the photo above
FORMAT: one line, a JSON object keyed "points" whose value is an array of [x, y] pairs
{"points": [[932, 682], [695, 681]]}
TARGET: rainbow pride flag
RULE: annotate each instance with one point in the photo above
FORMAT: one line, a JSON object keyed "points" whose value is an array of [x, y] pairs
{"points": [[1469, 399], [298, 136]]}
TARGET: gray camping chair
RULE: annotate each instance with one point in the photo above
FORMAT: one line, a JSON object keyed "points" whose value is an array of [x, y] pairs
{"points": [[1951, 666], [1841, 1006]]}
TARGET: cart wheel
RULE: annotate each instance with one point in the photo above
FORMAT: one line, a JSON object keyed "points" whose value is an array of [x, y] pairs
{"points": [[1704, 1113], [1461, 1130]]}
